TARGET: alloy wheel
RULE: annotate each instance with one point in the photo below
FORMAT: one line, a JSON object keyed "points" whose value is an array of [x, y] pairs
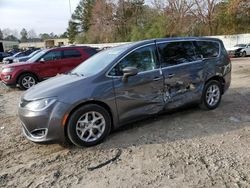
{"points": [[90, 126], [213, 95], [28, 81]]}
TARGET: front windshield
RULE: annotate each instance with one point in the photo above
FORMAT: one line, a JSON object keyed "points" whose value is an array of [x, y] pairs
{"points": [[240, 45], [33, 53], [37, 56], [99, 61], [17, 54]]}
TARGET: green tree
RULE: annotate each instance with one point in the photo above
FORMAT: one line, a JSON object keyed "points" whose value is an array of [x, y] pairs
{"points": [[82, 15], [24, 35], [152, 25], [72, 31], [128, 15], [44, 36], [1, 35], [64, 35], [11, 38]]}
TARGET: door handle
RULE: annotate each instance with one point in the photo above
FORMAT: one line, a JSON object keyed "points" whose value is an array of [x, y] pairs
{"points": [[171, 75], [157, 78]]}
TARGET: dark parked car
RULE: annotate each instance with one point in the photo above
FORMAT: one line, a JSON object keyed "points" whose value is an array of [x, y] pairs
{"points": [[25, 58], [43, 65], [3, 55], [124, 84], [9, 60]]}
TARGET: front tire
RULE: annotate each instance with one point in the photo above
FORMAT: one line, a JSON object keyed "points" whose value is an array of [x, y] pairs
{"points": [[88, 125], [211, 96], [244, 54], [26, 81]]}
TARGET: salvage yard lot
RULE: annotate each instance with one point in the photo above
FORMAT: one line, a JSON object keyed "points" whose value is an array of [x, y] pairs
{"points": [[187, 148]]}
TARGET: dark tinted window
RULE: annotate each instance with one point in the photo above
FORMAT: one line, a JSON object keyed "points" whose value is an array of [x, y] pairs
{"points": [[144, 59], [71, 53], [53, 55], [174, 53], [20, 54], [208, 49], [90, 51]]}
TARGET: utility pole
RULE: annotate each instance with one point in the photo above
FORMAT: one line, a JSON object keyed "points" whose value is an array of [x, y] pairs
{"points": [[70, 8]]}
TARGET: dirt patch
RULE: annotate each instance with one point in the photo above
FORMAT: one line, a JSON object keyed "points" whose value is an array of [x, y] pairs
{"points": [[188, 148]]}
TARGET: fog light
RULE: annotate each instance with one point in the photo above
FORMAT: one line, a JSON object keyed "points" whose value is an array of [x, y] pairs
{"points": [[39, 133], [8, 77]]}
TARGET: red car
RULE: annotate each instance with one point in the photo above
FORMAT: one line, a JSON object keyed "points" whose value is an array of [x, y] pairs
{"points": [[45, 64]]}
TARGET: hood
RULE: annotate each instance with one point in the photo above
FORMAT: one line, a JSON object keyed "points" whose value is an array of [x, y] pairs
{"points": [[17, 64], [53, 87], [8, 58]]}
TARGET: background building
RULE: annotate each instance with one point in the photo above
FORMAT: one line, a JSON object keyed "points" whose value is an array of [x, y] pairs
{"points": [[49, 43], [8, 45]]}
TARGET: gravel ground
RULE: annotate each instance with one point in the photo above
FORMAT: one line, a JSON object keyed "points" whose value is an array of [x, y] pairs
{"points": [[188, 148]]}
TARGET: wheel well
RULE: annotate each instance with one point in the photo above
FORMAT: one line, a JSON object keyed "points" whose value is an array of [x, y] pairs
{"points": [[26, 73], [219, 79], [102, 104]]}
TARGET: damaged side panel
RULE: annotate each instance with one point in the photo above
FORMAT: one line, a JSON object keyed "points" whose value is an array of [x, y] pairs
{"points": [[182, 84], [141, 95]]}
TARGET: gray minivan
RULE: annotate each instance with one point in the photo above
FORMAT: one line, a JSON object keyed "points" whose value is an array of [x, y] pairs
{"points": [[123, 84]]}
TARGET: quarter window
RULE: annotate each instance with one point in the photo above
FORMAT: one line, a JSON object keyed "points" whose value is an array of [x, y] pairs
{"points": [[54, 55], [71, 54], [174, 53], [208, 49], [90, 51], [144, 59]]}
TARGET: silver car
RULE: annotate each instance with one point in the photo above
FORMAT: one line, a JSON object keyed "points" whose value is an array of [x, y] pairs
{"points": [[124, 84]]}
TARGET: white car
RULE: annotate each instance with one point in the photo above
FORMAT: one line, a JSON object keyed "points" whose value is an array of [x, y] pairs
{"points": [[245, 51], [239, 50]]}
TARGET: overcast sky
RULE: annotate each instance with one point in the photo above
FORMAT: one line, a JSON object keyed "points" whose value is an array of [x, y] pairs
{"points": [[44, 16]]}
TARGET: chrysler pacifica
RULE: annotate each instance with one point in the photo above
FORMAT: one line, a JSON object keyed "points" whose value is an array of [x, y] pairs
{"points": [[122, 84]]}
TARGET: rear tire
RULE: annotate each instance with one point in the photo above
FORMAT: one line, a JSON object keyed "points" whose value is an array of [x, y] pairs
{"points": [[88, 125], [26, 81], [211, 96]]}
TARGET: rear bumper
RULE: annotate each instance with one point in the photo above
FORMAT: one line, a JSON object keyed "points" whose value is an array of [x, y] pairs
{"points": [[227, 84]]}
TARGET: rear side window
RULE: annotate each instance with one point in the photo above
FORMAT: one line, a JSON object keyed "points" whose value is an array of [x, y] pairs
{"points": [[174, 53], [71, 54], [208, 49], [90, 51]]}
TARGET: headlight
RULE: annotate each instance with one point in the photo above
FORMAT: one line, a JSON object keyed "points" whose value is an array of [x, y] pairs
{"points": [[40, 105], [6, 70]]}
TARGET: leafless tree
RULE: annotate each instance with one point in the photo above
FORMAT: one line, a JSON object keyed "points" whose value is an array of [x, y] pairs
{"points": [[204, 11], [179, 14]]}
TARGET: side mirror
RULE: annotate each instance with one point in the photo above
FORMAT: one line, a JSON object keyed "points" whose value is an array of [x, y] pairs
{"points": [[42, 60], [129, 71]]}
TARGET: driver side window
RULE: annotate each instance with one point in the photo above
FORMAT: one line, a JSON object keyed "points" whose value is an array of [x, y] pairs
{"points": [[144, 59]]}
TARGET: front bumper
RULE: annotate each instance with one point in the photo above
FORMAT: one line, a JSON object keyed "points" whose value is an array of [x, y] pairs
{"points": [[234, 53], [8, 78], [44, 126]]}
